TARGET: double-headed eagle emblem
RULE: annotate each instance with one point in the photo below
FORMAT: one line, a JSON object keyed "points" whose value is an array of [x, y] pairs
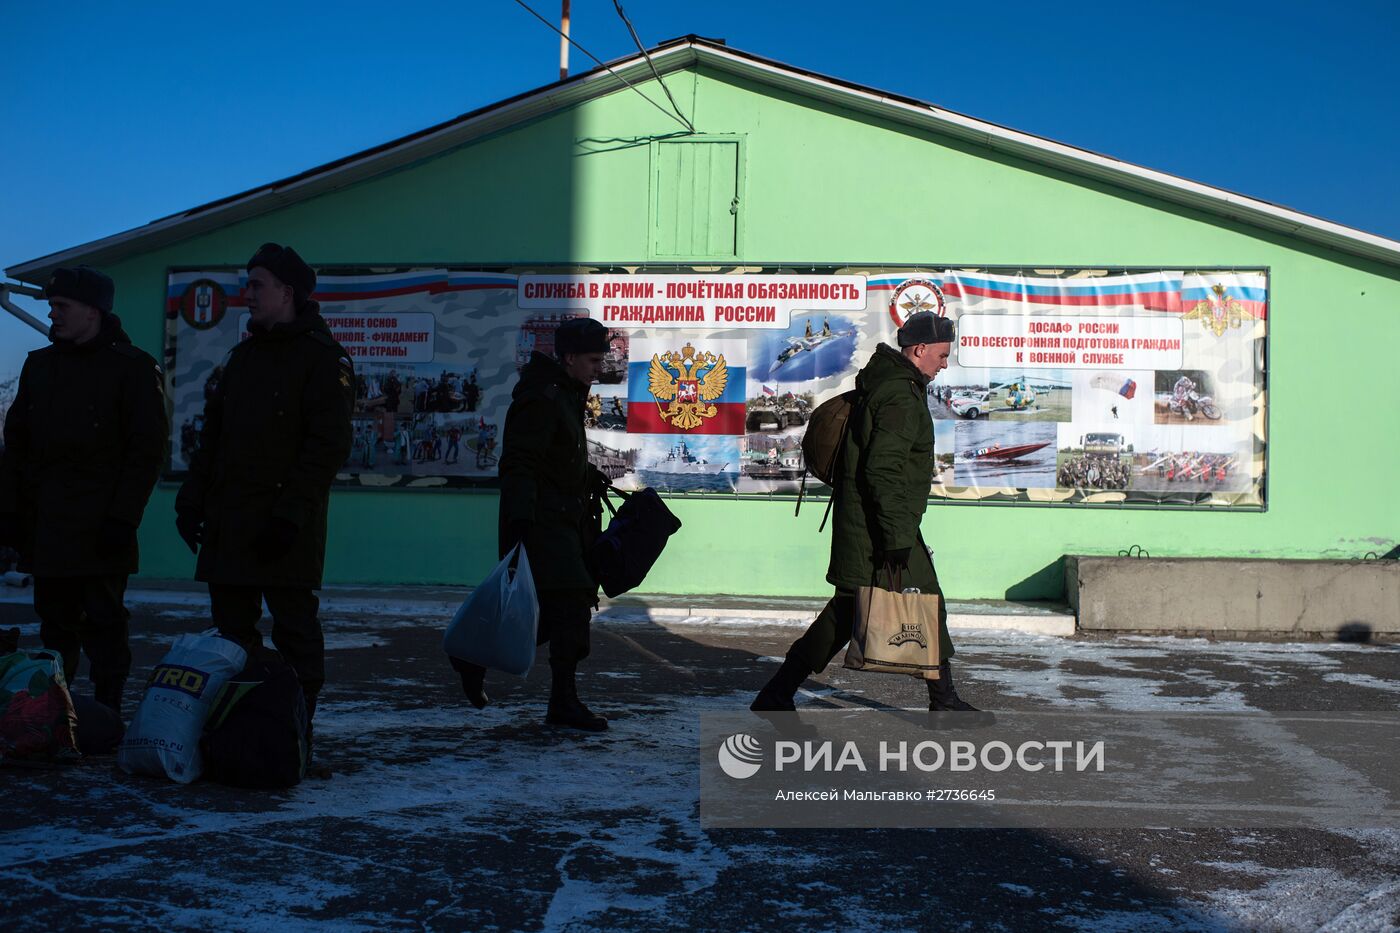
{"points": [[675, 377], [1218, 312]]}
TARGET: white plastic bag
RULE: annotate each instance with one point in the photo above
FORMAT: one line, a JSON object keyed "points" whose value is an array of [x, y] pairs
{"points": [[496, 625], [163, 738]]}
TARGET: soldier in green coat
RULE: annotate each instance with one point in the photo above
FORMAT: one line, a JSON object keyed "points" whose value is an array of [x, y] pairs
{"points": [[276, 430], [880, 494], [549, 503], [84, 442]]}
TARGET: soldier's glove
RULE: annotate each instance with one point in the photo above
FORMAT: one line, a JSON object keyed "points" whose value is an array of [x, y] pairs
{"points": [[896, 558], [114, 537], [275, 540], [190, 525], [517, 531], [598, 482]]}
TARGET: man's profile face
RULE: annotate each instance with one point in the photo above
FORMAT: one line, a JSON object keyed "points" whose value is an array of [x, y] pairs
{"points": [[585, 367], [74, 320], [269, 298], [931, 358]]}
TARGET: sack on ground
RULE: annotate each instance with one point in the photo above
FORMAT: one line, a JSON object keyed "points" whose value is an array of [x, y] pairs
{"points": [[496, 625], [36, 712], [624, 554], [895, 633], [163, 738], [100, 728], [256, 732]]}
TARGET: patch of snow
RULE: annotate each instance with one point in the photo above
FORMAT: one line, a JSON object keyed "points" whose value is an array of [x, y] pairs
{"points": [[1363, 680], [1018, 889]]}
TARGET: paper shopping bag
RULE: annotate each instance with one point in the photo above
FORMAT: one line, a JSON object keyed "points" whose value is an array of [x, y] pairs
{"points": [[895, 633]]}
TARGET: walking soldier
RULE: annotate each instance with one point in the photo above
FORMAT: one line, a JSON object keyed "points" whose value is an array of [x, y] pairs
{"points": [[547, 486], [880, 494]]}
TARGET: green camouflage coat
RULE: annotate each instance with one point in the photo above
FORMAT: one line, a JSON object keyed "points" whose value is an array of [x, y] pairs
{"points": [[885, 472]]}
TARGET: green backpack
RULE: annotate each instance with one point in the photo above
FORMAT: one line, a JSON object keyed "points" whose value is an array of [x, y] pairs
{"points": [[823, 442]]}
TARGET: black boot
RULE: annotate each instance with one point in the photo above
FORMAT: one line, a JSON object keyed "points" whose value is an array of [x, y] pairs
{"points": [[473, 683], [776, 695], [109, 694], [565, 708], [943, 698], [315, 767]]}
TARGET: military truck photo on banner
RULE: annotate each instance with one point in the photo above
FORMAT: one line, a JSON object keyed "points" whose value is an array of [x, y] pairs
{"points": [[1072, 386]]}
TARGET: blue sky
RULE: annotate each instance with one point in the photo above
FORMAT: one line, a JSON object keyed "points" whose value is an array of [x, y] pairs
{"points": [[116, 114]]}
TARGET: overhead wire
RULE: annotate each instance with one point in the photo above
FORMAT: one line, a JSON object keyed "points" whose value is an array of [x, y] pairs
{"points": [[674, 116], [617, 5]]}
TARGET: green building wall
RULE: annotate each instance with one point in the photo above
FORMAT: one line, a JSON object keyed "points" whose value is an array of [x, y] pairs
{"points": [[823, 185]]}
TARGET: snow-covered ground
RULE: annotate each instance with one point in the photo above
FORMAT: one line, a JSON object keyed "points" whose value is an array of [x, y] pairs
{"points": [[444, 817]]}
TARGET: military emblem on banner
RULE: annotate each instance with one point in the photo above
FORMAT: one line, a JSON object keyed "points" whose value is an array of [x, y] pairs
{"points": [[203, 304], [916, 295], [686, 388], [1219, 311]]}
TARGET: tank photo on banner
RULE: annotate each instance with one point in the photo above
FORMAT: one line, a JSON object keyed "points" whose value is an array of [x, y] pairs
{"points": [[1073, 386]]}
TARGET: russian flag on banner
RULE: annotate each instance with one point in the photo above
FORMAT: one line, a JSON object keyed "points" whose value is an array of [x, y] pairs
{"points": [[683, 378], [338, 289], [1172, 292], [768, 390], [1248, 289]]}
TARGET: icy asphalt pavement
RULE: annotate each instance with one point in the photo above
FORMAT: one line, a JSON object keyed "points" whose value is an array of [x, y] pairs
{"points": [[443, 817]]}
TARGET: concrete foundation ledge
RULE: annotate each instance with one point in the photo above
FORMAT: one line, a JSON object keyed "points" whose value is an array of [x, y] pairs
{"points": [[1350, 600]]}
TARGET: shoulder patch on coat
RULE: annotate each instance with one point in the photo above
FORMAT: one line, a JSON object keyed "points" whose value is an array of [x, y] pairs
{"points": [[347, 368]]}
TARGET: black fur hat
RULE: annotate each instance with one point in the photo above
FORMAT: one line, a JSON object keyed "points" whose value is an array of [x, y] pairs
{"points": [[82, 283], [283, 262], [580, 335], [927, 327]]}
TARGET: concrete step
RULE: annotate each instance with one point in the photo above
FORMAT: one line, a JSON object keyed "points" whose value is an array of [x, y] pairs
{"points": [[1345, 599]]}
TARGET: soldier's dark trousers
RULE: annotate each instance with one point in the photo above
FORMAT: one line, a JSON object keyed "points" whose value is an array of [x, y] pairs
{"points": [[296, 630], [86, 614], [829, 634], [565, 617]]}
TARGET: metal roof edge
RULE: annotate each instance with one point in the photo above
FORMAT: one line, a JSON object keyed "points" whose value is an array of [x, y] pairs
{"points": [[365, 164], [1164, 185]]}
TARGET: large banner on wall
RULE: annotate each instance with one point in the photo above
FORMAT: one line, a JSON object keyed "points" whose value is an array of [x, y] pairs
{"points": [[1074, 386]]}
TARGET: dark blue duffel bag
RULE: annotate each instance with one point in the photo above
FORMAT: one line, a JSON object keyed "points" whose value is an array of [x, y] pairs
{"points": [[625, 552], [256, 734]]}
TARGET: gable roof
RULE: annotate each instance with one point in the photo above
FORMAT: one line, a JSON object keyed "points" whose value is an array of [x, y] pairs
{"points": [[676, 55]]}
